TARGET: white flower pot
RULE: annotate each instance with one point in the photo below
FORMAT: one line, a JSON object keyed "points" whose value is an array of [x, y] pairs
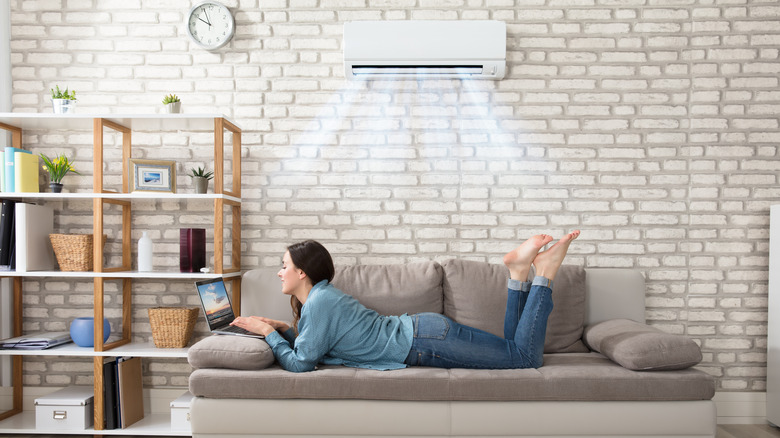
{"points": [[63, 106], [173, 107]]}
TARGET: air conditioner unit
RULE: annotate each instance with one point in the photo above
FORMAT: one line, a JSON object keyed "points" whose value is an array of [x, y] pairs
{"points": [[425, 49]]}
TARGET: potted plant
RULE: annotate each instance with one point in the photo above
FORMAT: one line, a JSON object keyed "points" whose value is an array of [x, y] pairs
{"points": [[63, 102], [57, 168], [201, 179], [172, 103]]}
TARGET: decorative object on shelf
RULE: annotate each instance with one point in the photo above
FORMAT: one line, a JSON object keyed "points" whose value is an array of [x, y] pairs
{"points": [[153, 176], [145, 253], [57, 167], [172, 104], [192, 249], [210, 24], [63, 102], [73, 251], [82, 331], [172, 327], [200, 178]]}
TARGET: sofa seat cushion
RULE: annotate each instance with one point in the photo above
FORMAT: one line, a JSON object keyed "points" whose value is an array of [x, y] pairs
{"points": [[575, 377]]}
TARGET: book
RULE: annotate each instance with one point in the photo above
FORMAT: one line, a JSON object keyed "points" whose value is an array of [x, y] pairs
{"points": [[192, 249], [26, 172], [130, 386], [2, 170], [36, 341], [7, 209], [33, 225], [10, 161], [110, 395]]}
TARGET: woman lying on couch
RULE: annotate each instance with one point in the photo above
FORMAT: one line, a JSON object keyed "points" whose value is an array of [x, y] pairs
{"points": [[332, 327]]}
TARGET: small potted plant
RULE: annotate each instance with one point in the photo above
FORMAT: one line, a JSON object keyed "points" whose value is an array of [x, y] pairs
{"points": [[57, 168], [63, 102], [172, 103], [201, 179]]}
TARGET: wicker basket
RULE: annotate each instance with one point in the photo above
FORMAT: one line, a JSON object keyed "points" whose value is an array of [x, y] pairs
{"points": [[172, 327], [73, 251]]}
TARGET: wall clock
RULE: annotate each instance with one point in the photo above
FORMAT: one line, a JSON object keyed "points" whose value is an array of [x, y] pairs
{"points": [[210, 25]]}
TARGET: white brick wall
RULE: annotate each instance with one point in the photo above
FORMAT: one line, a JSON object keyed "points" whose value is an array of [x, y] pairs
{"points": [[652, 127]]}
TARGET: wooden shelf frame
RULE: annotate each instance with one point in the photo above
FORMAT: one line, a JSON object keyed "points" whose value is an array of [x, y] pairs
{"points": [[102, 198]]}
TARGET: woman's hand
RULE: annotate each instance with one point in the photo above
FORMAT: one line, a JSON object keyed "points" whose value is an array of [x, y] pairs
{"points": [[277, 325], [254, 324]]}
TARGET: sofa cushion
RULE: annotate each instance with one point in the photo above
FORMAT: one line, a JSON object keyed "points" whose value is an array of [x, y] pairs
{"points": [[233, 352], [638, 346], [575, 377], [475, 294], [394, 289]]}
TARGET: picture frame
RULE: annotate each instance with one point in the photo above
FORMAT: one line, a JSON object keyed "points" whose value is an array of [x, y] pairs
{"points": [[152, 176]]}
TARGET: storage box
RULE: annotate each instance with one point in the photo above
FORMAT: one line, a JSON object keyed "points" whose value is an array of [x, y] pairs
{"points": [[67, 409], [180, 412]]}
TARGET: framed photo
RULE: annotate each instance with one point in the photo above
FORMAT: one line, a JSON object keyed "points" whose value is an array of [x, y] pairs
{"points": [[152, 176]]}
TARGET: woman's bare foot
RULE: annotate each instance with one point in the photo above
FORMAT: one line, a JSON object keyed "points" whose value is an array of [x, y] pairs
{"points": [[519, 259], [547, 262]]}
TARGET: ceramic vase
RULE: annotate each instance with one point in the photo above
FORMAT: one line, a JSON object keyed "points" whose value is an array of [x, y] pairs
{"points": [[55, 187], [145, 253], [82, 331]]}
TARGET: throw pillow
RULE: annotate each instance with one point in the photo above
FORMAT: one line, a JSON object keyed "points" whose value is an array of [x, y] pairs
{"points": [[233, 352], [640, 347], [475, 294], [393, 289]]}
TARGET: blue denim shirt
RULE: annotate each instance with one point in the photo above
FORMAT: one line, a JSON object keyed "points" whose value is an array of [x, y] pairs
{"points": [[335, 329]]}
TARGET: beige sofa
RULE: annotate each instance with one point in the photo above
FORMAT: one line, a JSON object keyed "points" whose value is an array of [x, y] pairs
{"points": [[578, 392]]}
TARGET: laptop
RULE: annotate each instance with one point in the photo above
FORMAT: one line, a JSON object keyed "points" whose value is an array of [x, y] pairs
{"points": [[218, 310]]}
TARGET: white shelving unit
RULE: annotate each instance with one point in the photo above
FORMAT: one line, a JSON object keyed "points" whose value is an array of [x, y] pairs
{"points": [[19, 421]]}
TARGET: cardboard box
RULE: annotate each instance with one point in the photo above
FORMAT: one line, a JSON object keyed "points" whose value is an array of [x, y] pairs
{"points": [[180, 412], [67, 409]]}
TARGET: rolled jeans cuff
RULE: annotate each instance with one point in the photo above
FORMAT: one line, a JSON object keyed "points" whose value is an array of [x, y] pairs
{"points": [[522, 286], [543, 281]]}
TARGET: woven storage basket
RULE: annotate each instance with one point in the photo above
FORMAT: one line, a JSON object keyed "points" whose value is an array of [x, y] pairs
{"points": [[73, 251], [172, 327]]}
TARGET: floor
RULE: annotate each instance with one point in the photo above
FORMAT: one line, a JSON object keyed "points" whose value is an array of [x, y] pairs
{"points": [[724, 431], [747, 431]]}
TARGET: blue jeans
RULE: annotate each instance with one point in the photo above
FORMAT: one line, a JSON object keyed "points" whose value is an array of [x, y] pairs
{"points": [[443, 343]]}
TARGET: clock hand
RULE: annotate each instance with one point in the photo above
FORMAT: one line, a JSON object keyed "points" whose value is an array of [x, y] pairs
{"points": [[207, 17], [204, 21]]}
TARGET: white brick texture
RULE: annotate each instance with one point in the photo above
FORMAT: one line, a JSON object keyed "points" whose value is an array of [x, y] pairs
{"points": [[651, 126]]}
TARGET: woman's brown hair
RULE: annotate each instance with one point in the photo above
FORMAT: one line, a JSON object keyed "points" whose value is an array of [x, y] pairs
{"points": [[315, 261]]}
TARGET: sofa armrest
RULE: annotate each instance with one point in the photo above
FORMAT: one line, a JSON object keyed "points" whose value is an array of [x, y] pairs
{"points": [[639, 347]]}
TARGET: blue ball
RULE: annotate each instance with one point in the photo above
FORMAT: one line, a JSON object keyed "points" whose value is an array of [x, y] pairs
{"points": [[82, 331]]}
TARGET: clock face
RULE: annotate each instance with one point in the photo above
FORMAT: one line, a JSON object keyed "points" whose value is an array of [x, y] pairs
{"points": [[210, 25]]}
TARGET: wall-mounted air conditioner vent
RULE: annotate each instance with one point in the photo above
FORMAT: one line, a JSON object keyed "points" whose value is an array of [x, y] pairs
{"points": [[425, 49]]}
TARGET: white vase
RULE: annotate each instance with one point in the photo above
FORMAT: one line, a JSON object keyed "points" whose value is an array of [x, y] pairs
{"points": [[145, 253], [63, 106], [173, 107]]}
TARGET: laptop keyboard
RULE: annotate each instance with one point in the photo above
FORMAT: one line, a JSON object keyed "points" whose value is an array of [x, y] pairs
{"points": [[236, 329]]}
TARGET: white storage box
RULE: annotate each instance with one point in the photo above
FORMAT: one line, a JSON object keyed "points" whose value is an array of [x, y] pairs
{"points": [[66, 409], [180, 412]]}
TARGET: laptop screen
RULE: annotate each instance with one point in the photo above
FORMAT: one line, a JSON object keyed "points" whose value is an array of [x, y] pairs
{"points": [[216, 303]]}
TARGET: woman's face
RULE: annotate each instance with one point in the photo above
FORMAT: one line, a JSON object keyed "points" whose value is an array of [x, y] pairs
{"points": [[292, 277]]}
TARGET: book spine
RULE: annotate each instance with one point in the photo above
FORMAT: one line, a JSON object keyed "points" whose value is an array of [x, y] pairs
{"points": [[6, 229], [185, 248]]}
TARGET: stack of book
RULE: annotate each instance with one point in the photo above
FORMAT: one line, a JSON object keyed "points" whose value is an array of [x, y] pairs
{"points": [[36, 341], [123, 401], [19, 171]]}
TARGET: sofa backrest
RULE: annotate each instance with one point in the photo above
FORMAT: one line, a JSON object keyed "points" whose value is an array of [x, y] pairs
{"points": [[465, 291]]}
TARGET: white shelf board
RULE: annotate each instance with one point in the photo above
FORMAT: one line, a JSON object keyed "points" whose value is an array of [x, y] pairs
{"points": [[122, 196], [121, 274], [151, 425], [134, 349], [135, 122]]}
